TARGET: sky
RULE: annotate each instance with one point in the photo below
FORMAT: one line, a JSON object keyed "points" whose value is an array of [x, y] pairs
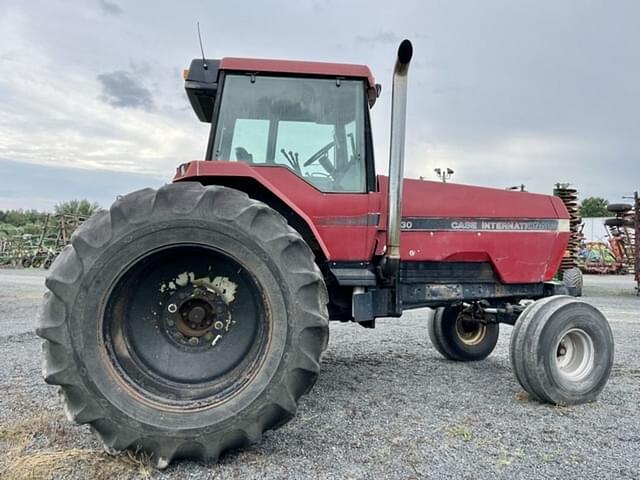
{"points": [[92, 102]]}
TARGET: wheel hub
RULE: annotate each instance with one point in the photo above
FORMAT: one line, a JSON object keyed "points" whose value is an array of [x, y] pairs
{"points": [[575, 355], [470, 332], [186, 324], [196, 317]]}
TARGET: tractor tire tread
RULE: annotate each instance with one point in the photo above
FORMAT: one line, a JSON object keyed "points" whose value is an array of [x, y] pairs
{"points": [[147, 205], [528, 351], [572, 277], [434, 327], [441, 328]]}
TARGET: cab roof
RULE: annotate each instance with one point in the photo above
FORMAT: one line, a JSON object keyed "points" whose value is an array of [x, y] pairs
{"points": [[298, 67]]}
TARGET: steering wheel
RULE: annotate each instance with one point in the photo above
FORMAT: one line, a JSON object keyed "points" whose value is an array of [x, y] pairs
{"points": [[319, 153]]}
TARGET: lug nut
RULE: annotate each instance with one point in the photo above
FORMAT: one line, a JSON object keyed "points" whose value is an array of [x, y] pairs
{"points": [[172, 308]]}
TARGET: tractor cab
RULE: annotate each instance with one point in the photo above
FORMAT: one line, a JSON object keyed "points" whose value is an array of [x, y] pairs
{"points": [[313, 120]]}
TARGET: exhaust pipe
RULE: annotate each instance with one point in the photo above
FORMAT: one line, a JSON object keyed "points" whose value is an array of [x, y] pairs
{"points": [[396, 156]]}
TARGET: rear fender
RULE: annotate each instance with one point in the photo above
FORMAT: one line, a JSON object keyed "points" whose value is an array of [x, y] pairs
{"points": [[242, 177]]}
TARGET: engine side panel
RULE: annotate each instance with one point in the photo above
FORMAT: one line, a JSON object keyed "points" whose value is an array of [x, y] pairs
{"points": [[523, 235]]}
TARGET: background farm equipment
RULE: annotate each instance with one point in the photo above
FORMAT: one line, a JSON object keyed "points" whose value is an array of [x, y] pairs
{"points": [[619, 254], [569, 272], [623, 232], [569, 197], [636, 265], [40, 250], [600, 258], [17, 250]]}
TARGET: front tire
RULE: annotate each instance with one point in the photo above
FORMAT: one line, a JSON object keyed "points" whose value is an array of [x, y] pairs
{"points": [[184, 322], [562, 350], [461, 339]]}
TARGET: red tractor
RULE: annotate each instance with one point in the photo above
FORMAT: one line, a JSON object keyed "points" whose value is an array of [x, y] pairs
{"points": [[188, 320]]}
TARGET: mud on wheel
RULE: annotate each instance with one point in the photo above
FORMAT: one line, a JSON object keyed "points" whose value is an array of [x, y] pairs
{"points": [[459, 338], [184, 322]]}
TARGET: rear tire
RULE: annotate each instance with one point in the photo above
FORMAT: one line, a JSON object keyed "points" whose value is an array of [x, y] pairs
{"points": [[131, 308], [562, 350], [459, 339], [572, 277]]}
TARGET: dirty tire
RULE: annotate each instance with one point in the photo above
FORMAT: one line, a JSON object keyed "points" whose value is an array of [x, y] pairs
{"points": [[25, 262], [119, 246], [572, 277], [514, 334], [458, 341], [544, 364], [619, 207]]}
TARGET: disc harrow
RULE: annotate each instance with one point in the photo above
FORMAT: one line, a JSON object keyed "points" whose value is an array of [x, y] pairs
{"points": [[569, 197]]}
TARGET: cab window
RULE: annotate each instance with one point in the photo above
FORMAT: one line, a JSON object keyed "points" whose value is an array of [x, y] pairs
{"points": [[312, 126]]}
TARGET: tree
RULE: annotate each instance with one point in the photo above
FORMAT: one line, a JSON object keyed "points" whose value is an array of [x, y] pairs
{"points": [[32, 228], [7, 230], [594, 207], [16, 218], [77, 207]]}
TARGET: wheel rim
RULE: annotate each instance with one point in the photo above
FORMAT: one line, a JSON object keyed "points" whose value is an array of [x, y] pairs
{"points": [[470, 332], [575, 355], [186, 327]]}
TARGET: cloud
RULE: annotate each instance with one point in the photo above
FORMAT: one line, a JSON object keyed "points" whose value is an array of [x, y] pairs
{"points": [[122, 89], [54, 116], [25, 185], [502, 92], [110, 8], [318, 6], [381, 38]]}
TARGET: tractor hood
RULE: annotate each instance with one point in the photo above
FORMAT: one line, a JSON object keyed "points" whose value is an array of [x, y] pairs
{"points": [[450, 200], [524, 235]]}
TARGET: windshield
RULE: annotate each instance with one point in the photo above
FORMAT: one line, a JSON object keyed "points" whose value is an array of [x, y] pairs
{"points": [[313, 126]]}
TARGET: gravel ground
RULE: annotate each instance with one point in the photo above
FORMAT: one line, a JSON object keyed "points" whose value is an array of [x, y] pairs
{"points": [[386, 406]]}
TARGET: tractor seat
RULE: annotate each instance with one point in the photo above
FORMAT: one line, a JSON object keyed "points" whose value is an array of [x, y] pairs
{"points": [[242, 155]]}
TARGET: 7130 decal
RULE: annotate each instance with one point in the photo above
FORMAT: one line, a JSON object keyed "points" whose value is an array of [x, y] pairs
{"points": [[480, 224]]}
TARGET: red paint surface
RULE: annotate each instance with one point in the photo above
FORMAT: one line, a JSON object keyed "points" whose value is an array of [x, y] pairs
{"points": [[297, 67], [518, 257]]}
